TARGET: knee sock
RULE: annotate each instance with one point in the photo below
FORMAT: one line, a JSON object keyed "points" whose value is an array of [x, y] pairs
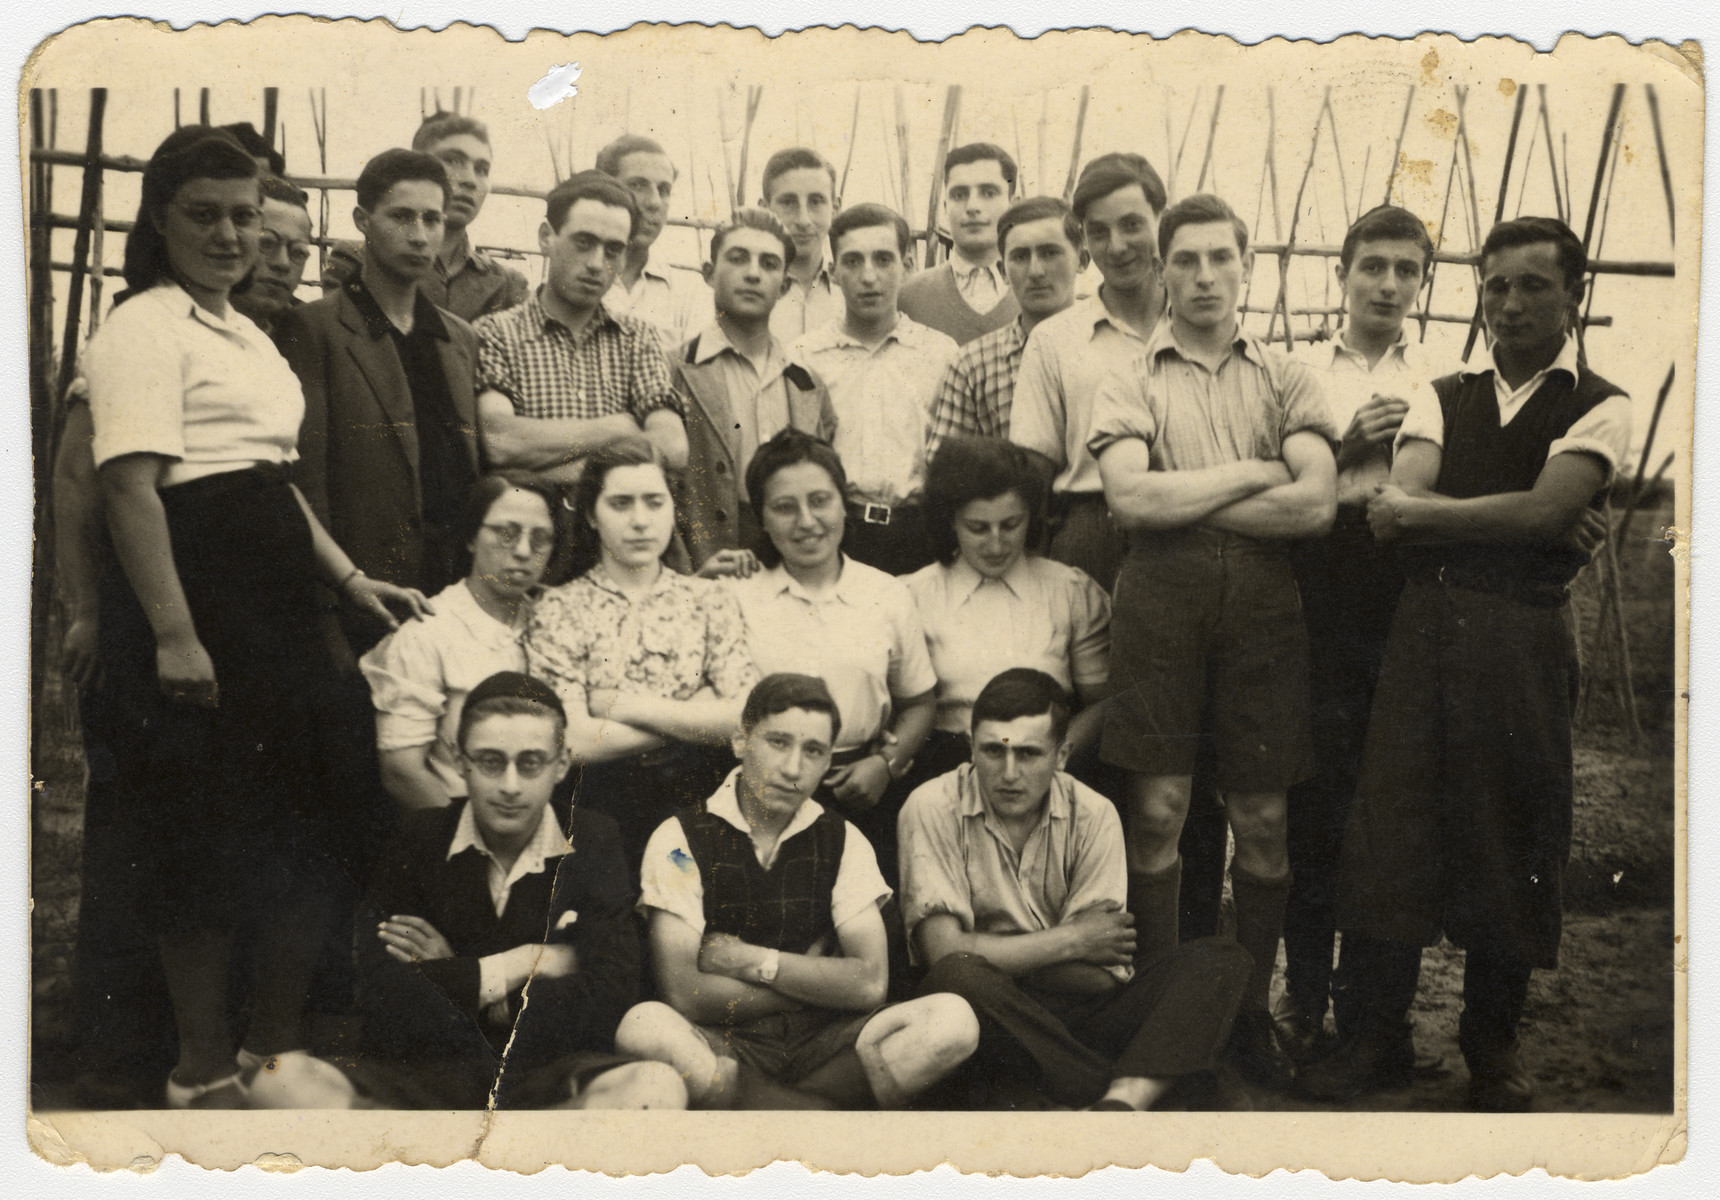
{"points": [[1154, 899], [1259, 922]]}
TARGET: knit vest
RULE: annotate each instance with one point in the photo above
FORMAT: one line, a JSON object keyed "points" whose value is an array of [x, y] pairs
{"points": [[932, 299], [784, 908], [1481, 458]]}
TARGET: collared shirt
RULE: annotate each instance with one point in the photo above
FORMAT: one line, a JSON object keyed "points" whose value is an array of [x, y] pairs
{"points": [[669, 877], [757, 391], [445, 472], [546, 844], [683, 635], [883, 402], [210, 393], [957, 859], [978, 389], [982, 285], [677, 304], [1603, 431], [864, 641], [613, 365], [807, 306], [1193, 416], [477, 284], [1402, 372], [1065, 360], [419, 676], [1040, 614]]}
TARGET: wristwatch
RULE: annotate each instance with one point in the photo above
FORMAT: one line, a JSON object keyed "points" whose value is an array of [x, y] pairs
{"points": [[772, 963]]}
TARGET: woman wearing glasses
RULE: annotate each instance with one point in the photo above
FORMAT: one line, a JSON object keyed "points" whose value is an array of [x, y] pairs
{"points": [[210, 640], [419, 674], [652, 666]]}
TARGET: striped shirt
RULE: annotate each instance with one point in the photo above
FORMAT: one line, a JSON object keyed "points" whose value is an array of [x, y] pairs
{"points": [[614, 365], [978, 388]]}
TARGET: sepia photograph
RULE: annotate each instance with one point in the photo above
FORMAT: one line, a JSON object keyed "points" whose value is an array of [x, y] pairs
{"points": [[1034, 603]]}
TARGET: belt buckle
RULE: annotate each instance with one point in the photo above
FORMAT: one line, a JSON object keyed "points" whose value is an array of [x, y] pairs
{"points": [[875, 514]]}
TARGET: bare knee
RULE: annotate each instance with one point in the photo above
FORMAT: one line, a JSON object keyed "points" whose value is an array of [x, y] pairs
{"points": [[950, 1023], [1157, 808], [637, 1085], [645, 1026], [1260, 822]]}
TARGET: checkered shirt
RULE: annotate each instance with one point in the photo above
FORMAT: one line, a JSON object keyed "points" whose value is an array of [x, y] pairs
{"points": [[614, 365], [978, 388]]}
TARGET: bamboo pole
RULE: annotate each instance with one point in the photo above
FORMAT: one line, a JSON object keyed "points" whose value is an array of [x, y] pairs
{"points": [[319, 128], [271, 102], [203, 107], [1020, 161], [1499, 210], [1474, 210], [1528, 167], [1397, 150], [1182, 143], [92, 188], [952, 102], [1211, 136], [1362, 186], [98, 249], [1606, 212], [1643, 492], [1075, 146], [1266, 168], [902, 148], [1601, 164], [755, 93], [1552, 158], [1043, 174], [176, 122], [1665, 167], [853, 138], [1565, 166], [1625, 677], [723, 135], [1338, 156], [889, 175], [1283, 301]]}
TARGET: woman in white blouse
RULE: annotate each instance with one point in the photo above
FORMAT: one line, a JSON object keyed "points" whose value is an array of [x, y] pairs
{"points": [[988, 604], [210, 640], [419, 674]]}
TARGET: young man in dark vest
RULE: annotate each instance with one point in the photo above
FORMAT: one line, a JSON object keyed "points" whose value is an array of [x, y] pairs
{"points": [[768, 940], [1461, 823], [739, 387], [968, 295]]}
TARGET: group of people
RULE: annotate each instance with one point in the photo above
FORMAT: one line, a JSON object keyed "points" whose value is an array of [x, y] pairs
{"points": [[818, 684]]}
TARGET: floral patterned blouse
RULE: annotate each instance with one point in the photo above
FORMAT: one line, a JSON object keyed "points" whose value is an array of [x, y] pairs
{"points": [[685, 634]]}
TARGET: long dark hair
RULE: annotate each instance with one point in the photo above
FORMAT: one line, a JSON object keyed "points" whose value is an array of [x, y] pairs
{"points": [[190, 152], [631, 450]]}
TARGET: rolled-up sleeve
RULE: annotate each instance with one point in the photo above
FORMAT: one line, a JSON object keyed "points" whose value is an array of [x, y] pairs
{"points": [[1122, 410], [1603, 431], [934, 873], [408, 689], [859, 884], [1306, 405], [1424, 421], [136, 377], [669, 876]]}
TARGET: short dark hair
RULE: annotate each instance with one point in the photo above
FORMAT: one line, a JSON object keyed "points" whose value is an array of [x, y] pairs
{"points": [[981, 152], [395, 166], [482, 497], [589, 185], [1112, 172], [511, 694], [1387, 223], [966, 469], [189, 152], [247, 136], [761, 219], [441, 125], [865, 216], [1203, 208], [786, 449], [630, 450], [609, 158], [782, 691], [276, 188], [1023, 692], [1527, 231], [1038, 208], [795, 158]]}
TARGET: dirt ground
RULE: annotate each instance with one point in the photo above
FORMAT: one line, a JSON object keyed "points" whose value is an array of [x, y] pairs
{"points": [[1598, 1034]]}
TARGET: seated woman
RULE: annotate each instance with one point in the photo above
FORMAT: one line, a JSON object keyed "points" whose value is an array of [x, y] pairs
{"points": [[419, 674], [988, 603], [818, 612], [651, 665]]}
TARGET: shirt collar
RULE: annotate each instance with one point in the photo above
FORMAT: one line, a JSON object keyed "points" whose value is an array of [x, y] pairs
{"points": [[464, 607], [547, 843], [1566, 361], [965, 270], [598, 578], [1403, 348], [907, 331], [973, 804], [713, 341], [1163, 339], [965, 580], [178, 300], [779, 582], [540, 319], [425, 319], [726, 803]]}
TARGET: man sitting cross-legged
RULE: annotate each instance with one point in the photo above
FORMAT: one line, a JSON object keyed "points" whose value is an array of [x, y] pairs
{"points": [[504, 951], [1013, 885], [768, 941]]}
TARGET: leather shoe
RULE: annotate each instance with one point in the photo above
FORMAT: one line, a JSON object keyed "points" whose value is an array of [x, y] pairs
{"points": [[1499, 1084], [1255, 1050], [1301, 1030], [1379, 1057]]}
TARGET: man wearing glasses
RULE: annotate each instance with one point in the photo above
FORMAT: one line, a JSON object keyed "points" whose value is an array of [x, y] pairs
{"points": [[283, 249]]}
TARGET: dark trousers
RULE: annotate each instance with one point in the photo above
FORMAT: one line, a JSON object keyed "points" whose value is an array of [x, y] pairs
{"points": [[1083, 536], [899, 548], [1383, 976], [1169, 1020]]}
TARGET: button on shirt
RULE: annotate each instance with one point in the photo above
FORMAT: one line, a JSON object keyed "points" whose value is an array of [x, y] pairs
{"points": [[677, 304], [1603, 431], [419, 676], [864, 641], [1402, 372], [757, 392], [614, 365], [977, 391], [957, 859], [1040, 614], [805, 307], [982, 285], [883, 401], [1065, 360], [209, 393], [669, 877], [685, 634], [1192, 416]]}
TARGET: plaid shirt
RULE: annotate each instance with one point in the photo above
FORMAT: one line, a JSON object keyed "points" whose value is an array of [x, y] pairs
{"points": [[978, 388], [614, 365]]}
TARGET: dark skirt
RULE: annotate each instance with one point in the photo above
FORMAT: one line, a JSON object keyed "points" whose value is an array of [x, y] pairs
{"points": [[228, 807]]}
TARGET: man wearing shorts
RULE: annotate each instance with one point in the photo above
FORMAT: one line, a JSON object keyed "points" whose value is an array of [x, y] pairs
{"points": [[1214, 450]]}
